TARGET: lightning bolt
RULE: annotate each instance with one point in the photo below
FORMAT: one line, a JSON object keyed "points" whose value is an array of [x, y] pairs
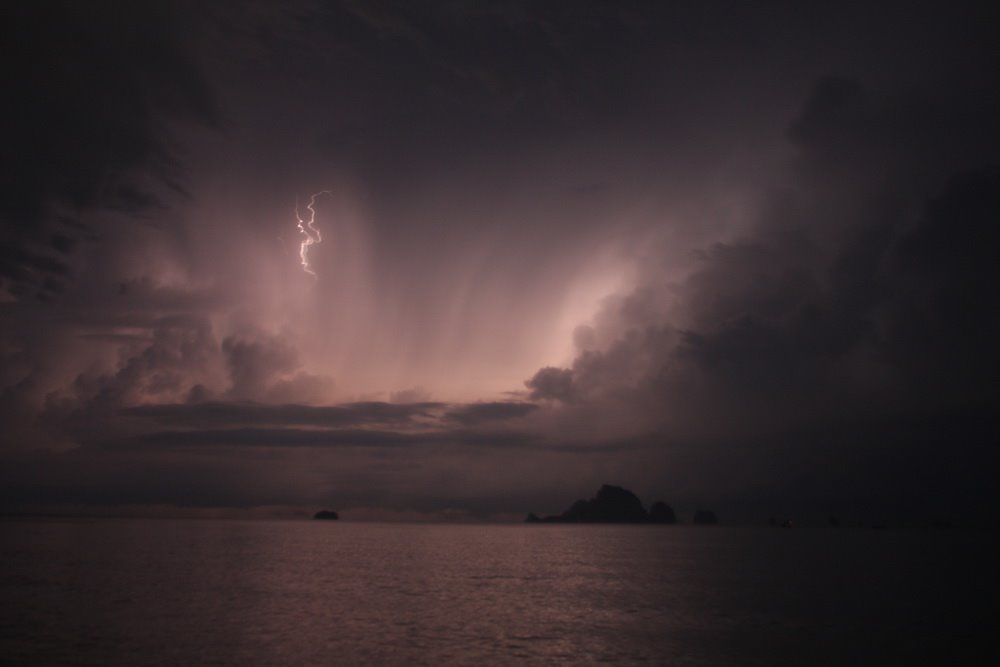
{"points": [[310, 233]]}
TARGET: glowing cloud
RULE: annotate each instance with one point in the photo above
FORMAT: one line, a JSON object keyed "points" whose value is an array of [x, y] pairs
{"points": [[311, 234]]}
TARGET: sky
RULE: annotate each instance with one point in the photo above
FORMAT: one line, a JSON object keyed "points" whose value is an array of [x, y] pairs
{"points": [[740, 256]]}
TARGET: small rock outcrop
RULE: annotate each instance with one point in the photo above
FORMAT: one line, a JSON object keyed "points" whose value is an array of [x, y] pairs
{"points": [[326, 515]]}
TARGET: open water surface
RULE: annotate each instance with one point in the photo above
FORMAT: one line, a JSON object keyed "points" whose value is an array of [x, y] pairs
{"points": [[132, 592]]}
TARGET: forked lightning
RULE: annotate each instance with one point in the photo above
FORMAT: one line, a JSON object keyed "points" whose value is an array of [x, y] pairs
{"points": [[311, 234]]}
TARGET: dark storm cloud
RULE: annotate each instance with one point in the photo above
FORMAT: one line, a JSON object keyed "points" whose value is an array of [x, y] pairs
{"points": [[476, 413], [253, 364], [396, 415], [229, 414], [90, 89], [178, 350], [461, 82], [517, 440], [865, 288], [28, 272], [365, 424], [141, 304], [497, 85], [616, 370], [178, 357], [552, 382], [915, 237], [370, 413], [944, 320], [263, 366], [288, 437], [63, 244]]}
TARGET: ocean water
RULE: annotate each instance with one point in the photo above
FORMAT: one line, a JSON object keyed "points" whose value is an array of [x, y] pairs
{"points": [[159, 592]]}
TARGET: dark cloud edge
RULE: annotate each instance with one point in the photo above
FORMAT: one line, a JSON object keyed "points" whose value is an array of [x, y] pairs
{"points": [[217, 414]]}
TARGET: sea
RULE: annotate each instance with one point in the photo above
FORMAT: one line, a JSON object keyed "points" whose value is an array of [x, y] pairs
{"points": [[218, 592]]}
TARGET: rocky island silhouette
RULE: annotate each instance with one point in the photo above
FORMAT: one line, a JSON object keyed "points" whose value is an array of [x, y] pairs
{"points": [[612, 504]]}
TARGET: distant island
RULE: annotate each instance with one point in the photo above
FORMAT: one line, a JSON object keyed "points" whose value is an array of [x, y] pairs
{"points": [[614, 504], [705, 518], [326, 515]]}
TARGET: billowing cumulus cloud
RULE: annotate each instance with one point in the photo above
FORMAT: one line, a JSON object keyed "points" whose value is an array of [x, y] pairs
{"points": [[853, 315], [736, 256]]}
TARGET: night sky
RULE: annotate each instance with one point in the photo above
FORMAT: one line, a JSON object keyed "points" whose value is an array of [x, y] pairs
{"points": [[730, 255]]}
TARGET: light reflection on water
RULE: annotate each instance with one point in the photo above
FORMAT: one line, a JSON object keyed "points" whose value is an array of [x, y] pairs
{"points": [[289, 593]]}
